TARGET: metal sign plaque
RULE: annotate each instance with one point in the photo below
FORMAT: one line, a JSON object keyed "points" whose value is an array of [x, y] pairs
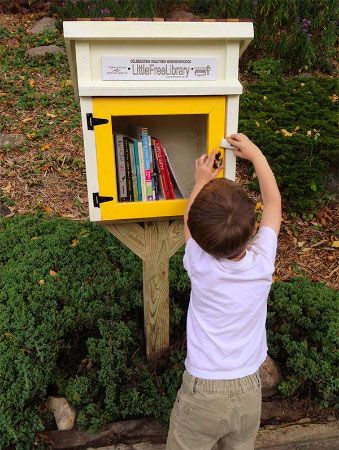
{"points": [[158, 68]]}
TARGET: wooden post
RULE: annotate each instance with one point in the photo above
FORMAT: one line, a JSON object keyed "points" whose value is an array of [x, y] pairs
{"points": [[154, 242]]}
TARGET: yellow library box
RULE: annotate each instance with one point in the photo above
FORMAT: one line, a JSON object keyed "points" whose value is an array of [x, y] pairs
{"points": [[154, 96]]}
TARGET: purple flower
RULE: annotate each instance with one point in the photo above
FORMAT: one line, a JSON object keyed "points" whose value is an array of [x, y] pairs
{"points": [[105, 11]]}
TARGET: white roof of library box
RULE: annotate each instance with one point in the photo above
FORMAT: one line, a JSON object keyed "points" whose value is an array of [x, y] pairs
{"points": [[89, 39]]}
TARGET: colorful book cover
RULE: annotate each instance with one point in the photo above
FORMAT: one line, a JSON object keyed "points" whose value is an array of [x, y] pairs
{"points": [[142, 171], [155, 176], [120, 167], [167, 173], [137, 168], [177, 191], [133, 169], [160, 159], [151, 164], [129, 181], [147, 162]]}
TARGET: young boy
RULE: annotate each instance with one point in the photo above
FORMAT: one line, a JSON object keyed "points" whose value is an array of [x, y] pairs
{"points": [[231, 275]]}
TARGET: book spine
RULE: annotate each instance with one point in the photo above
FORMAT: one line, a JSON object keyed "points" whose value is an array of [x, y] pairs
{"points": [[147, 163], [133, 169], [151, 164], [137, 168], [160, 159], [142, 171], [168, 177], [129, 181], [155, 173], [120, 167]]}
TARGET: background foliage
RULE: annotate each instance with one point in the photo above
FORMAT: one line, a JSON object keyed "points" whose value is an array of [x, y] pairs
{"points": [[71, 324]]}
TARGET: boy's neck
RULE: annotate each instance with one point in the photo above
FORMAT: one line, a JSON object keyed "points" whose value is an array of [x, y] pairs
{"points": [[238, 257]]}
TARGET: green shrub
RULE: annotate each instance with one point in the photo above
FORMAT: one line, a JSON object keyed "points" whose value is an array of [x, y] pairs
{"points": [[293, 121], [265, 68], [71, 324], [299, 33], [303, 325]]}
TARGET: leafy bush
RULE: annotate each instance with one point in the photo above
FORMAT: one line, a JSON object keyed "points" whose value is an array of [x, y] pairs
{"points": [[294, 122], [265, 68], [303, 323], [300, 33], [71, 324]]}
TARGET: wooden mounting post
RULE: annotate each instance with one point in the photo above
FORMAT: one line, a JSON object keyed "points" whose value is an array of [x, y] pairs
{"points": [[154, 242]]}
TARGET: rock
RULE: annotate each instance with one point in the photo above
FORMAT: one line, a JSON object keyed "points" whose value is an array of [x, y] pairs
{"points": [[9, 141], [4, 211], [64, 413], [46, 23], [43, 50], [270, 377], [183, 16]]}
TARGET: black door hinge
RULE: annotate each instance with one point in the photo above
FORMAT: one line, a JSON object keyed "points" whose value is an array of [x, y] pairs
{"points": [[93, 121], [97, 199]]}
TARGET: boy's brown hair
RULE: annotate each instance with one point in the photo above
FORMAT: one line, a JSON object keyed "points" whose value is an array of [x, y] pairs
{"points": [[222, 218]]}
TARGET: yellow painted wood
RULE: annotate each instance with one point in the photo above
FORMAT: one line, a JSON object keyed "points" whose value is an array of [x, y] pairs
{"points": [[213, 107]]}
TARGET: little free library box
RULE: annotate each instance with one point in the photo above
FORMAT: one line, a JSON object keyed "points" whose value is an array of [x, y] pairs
{"points": [[154, 96]]}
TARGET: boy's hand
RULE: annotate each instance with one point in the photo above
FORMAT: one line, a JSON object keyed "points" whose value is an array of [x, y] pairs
{"points": [[204, 171], [244, 147]]}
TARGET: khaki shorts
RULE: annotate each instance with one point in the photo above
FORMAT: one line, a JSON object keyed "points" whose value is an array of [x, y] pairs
{"points": [[210, 411]]}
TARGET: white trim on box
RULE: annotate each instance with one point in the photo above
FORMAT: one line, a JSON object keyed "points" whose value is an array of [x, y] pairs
{"points": [[136, 30], [155, 88], [90, 158], [231, 126]]}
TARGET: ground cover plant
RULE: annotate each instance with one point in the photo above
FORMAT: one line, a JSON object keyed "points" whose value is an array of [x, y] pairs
{"points": [[71, 324]]}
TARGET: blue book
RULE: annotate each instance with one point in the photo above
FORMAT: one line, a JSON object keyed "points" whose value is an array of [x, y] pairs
{"points": [[137, 166]]}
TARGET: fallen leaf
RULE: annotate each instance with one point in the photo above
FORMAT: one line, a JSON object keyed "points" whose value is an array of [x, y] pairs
{"points": [[264, 97], [48, 209], [296, 128], [286, 133], [46, 147], [258, 206], [333, 98], [335, 244], [31, 82], [74, 243], [52, 273], [50, 115], [301, 243], [309, 133], [41, 282], [257, 124]]}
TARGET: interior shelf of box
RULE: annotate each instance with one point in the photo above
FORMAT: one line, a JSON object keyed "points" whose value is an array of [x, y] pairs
{"points": [[183, 137]]}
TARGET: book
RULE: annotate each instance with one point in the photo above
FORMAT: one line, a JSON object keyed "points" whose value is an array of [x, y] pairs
{"points": [[142, 170], [133, 169], [120, 167], [177, 191], [143, 133], [129, 181], [155, 176], [151, 164], [137, 168], [167, 173], [160, 160]]}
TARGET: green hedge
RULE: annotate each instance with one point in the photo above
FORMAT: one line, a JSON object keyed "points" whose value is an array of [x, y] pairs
{"points": [[293, 121], [71, 324]]}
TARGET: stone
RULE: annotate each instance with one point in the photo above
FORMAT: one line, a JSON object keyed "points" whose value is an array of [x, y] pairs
{"points": [[46, 23], [183, 16], [270, 376], [64, 413], [9, 141], [4, 210], [43, 50]]}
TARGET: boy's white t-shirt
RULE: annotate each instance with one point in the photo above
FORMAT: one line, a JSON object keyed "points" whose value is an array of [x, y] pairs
{"points": [[226, 333]]}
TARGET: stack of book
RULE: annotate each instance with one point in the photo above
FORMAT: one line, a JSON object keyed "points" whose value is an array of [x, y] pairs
{"points": [[143, 169]]}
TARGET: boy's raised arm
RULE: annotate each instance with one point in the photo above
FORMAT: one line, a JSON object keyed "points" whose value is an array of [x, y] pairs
{"points": [[204, 173], [244, 148]]}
